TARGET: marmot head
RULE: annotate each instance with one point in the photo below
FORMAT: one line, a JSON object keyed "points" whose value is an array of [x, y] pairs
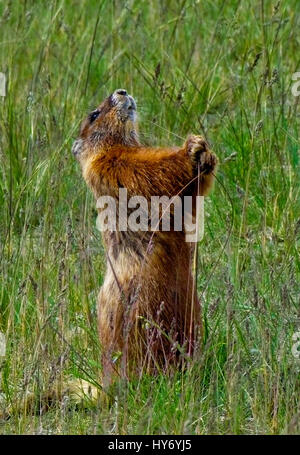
{"points": [[113, 122]]}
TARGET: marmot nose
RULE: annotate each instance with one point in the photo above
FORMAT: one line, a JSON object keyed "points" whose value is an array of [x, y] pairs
{"points": [[121, 91]]}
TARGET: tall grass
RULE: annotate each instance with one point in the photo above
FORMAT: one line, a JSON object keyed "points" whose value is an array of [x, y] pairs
{"points": [[221, 69]]}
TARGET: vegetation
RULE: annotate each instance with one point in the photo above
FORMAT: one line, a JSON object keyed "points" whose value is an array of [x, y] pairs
{"points": [[221, 69]]}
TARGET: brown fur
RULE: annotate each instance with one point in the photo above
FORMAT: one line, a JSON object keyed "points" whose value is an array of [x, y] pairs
{"points": [[148, 312]]}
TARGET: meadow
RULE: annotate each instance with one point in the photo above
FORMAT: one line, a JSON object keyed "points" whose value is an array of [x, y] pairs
{"points": [[223, 69]]}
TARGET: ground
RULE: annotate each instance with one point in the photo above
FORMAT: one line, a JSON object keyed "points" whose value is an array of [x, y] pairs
{"points": [[220, 69]]}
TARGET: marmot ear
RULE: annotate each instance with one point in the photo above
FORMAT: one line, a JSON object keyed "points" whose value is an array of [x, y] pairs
{"points": [[77, 148]]}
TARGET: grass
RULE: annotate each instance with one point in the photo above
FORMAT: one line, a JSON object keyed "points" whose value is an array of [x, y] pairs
{"points": [[222, 69]]}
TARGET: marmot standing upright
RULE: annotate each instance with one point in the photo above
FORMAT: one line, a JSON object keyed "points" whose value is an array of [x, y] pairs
{"points": [[148, 312]]}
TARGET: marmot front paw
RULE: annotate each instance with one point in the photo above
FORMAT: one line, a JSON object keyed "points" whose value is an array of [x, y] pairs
{"points": [[198, 150]]}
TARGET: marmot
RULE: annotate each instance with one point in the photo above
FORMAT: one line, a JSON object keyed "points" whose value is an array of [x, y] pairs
{"points": [[149, 315]]}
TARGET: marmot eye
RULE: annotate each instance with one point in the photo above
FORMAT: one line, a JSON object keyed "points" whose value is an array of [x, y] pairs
{"points": [[93, 116]]}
